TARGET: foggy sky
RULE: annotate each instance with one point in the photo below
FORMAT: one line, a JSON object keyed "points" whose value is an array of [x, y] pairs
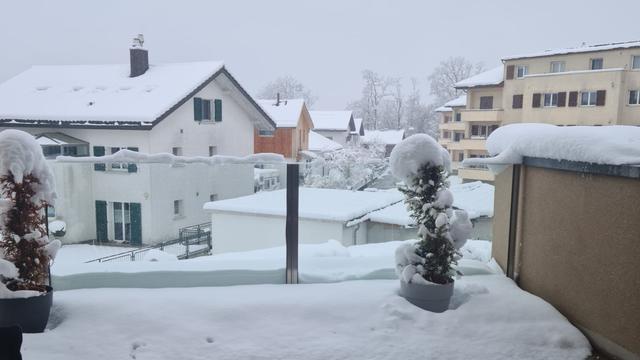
{"points": [[325, 44]]}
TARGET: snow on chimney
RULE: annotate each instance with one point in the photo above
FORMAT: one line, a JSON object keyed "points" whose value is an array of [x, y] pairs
{"points": [[138, 57]]}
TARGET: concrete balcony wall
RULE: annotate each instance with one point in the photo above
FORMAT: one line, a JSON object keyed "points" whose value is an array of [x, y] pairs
{"points": [[455, 125], [471, 174], [477, 115]]}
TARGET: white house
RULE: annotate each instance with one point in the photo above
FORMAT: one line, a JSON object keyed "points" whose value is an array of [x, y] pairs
{"points": [[320, 144], [334, 125], [258, 221], [190, 109]]}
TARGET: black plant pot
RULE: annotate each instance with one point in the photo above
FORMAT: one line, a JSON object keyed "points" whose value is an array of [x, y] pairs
{"points": [[31, 314]]}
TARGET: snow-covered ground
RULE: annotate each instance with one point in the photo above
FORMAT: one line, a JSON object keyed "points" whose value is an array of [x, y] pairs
{"points": [[491, 318], [326, 262]]}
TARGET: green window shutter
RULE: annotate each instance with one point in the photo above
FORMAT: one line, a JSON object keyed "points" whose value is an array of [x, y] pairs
{"points": [[132, 167], [101, 221], [136, 223], [197, 109], [218, 110], [98, 151]]}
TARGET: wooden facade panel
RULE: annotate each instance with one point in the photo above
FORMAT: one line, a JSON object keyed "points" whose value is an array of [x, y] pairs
{"points": [[279, 143]]}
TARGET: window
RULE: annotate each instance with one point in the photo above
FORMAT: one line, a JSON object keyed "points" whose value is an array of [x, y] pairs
{"points": [[517, 101], [457, 136], [121, 221], [635, 62], [557, 66], [521, 71], [213, 197], [177, 151], [178, 208], [482, 131], [447, 118], [265, 132], [634, 97], [458, 117], [446, 134], [205, 109], [486, 102], [596, 64], [461, 156], [588, 98], [550, 100], [213, 150], [51, 211]]}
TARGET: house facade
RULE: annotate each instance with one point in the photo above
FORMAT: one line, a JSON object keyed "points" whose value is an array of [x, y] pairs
{"points": [[334, 125], [590, 85], [291, 135], [387, 138], [188, 109]]}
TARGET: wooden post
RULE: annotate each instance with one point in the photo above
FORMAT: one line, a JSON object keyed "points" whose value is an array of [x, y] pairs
{"points": [[291, 232]]}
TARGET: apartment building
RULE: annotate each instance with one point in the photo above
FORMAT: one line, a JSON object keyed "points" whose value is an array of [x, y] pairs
{"points": [[588, 85]]}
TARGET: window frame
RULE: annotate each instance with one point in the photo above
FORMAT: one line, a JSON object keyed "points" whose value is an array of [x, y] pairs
{"points": [[213, 150], [552, 97], [266, 133], [178, 209], [525, 71], [557, 62], [635, 58], [596, 59], [176, 150], [591, 100], [487, 98], [637, 97]]}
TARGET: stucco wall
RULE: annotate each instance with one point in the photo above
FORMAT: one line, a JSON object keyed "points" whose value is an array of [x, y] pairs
{"points": [[578, 249]]}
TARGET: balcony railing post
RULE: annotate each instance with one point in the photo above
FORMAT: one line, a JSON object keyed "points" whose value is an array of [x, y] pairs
{"points": [[291, 230]]}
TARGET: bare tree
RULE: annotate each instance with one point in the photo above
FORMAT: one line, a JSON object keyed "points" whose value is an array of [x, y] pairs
{"points": [[289, 88], [449, 72], [377, 94]]}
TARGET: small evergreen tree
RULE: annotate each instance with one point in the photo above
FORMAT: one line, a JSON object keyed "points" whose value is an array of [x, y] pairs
{"points": [[427, 203]]}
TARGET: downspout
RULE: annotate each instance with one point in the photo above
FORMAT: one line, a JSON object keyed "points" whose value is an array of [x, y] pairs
{"points": [[355, 233], [513, 221]]}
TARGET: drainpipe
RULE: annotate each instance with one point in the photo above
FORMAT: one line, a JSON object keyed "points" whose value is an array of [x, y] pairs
{"points": [[513, 221], [355, 233]]}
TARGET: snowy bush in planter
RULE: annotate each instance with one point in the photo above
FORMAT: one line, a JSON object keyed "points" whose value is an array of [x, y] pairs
{"points": [[423, 165], [26, 187]]}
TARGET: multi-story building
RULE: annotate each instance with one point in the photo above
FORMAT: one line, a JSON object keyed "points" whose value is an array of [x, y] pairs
{"points": [[589, 85]]}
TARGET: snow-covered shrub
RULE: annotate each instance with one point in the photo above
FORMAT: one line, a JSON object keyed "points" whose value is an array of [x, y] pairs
{"points": [[347, 168], [423, 165], [26, 187]]}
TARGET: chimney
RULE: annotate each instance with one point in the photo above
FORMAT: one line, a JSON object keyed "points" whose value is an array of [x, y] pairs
{"points": [[278, 99], [138, 57]]}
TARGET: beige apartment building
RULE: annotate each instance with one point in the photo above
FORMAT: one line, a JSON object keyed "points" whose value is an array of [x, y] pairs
{"points": [[588, 85]]}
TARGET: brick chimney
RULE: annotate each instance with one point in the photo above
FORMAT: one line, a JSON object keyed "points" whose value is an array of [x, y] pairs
{"points": [[138, 57]]}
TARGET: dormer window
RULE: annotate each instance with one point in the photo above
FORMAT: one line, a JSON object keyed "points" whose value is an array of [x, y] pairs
{"points": [[557, 66]]}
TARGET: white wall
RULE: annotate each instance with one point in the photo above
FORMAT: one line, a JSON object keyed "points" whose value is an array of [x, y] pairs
{"points": [[338, 136]]}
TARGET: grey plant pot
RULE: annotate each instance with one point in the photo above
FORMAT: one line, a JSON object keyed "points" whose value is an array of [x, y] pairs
{"points": [[430, 297], [31, 314]]}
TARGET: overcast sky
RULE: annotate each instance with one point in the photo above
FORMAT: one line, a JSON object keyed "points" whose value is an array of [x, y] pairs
{"points": [[323, 43]]}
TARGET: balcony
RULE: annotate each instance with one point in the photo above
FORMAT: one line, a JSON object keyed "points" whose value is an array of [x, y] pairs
{"points": [[444, 142], [468, 144], [478, 115], [475, 174], [453, 125]]}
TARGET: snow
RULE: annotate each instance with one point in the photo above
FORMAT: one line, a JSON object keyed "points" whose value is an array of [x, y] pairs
{"points": [[490, 318], [100, 92], [128, 156], [57, 225], [491, 77], [386, 137], [358, 123], [21, 155], [262, 173], [457, 102], [315, 203], [575, 50], [322, 144], [611, 145], [413, 152], [574, 72], [445, 108], [331, 120], [286, 114], [318, 263]]}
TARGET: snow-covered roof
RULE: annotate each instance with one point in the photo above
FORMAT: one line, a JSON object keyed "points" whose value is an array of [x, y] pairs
{"points": [[320, 143], [387, 137], [491, 77], [321, 204], [58, 139], [105, 95], [611, 145], [575, 50], [332, 120], [286, 113], [457, 102], [443, 109], [359, 128], [474, 197]]}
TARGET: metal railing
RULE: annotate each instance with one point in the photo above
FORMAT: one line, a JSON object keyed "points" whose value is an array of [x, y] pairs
{"points": [[188, 236]]}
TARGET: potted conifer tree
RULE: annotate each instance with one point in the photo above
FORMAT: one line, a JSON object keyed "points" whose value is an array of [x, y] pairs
{"points": [[426, 268], [26, 187]]}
